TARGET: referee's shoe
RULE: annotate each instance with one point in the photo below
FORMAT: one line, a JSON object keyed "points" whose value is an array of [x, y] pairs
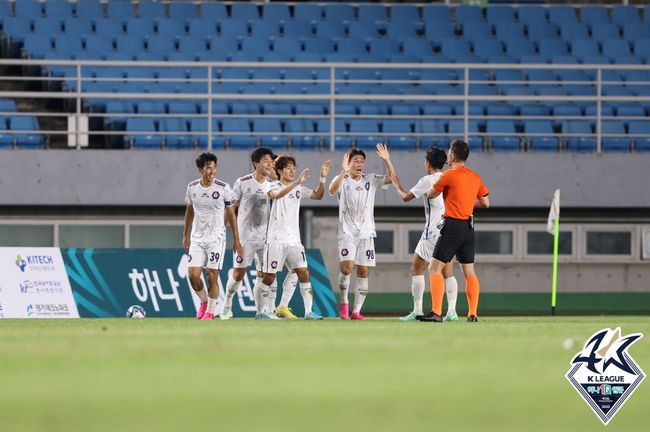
{"points": [[430, 317]]}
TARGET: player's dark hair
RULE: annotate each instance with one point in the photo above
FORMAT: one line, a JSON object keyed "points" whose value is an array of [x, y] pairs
{"points": [[282, 162], [259, 153], [436, 157], [354, 152], [460, 149], [204, 158]]}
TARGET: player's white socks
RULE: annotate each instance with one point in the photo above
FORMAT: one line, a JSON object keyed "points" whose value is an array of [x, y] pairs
{"points": [[451, 287], [417, 289], [307, 296], [273, 293], [231, 289], [203, 295], [211, 305], [288, 288], [360, 294], [344, 287], [262, 296]]}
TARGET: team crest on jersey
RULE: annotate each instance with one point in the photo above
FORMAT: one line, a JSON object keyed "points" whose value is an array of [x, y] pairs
{"points": [[239, 259], [367, 186], [604, 373], [215, 195], [344, 252], [274, 265]]}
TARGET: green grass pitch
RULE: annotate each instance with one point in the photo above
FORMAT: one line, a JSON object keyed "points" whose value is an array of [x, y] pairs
{"points": [[502, 374]]}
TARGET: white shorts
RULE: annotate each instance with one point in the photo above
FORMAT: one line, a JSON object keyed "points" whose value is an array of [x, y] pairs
{"points": [[425, 246], [253, 251], [209, 255], [277, 255], [362, 251]]}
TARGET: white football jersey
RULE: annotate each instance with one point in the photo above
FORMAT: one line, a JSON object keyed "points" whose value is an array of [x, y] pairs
{"points": [[433, 208], [357, 206], [254, 205], [284, 227], [209, 206]]}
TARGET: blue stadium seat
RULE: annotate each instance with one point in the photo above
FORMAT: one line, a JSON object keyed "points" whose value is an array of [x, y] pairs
{"points": [[630, 110], [474, 31], [182, 107], [7, 106], [456, 49], [553, 47], [541, 143], [264, 29], [150, 9], [238, 125], [244, 11], [616, 48], [15, 29], [436, 31], [77, 27], [509, 31], [205, 28], [562, 14], [603, 31], [338, 12], [503, 142], [311, 108], [436, 13], [298, 29], [468, 14], [534, 110], [641, 143], [58, 9], [29, 137], [307, 12], [532, 14], [6, 140], [500, 14], [625, 15], [115, 9], [582, 48], [404, 13], [305, 127], [29, 9], [182, 10], [456, 130], [171, 27], [150, 107], [362, 30], [332, 30], [177, 138], [572, 31], [214, 10], [366, 132], [233, 28], [487, 49], [542, 30], [276, 12], [634, 31], [618, 142], [501, 109], [99, 44], [272, 126], [399, 126], [431, 133], [592, 14], [37, 46], [519, 48], [140, 26], [584, 143]]}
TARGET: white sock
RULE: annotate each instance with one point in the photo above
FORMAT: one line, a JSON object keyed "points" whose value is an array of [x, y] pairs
{"points": [[417, 289], [360, 294], [288, 288], [211, 304], [273, 293], [307, 296], [231, 289], [451, 287], [344, 287], [262, 296], [203, 295]]}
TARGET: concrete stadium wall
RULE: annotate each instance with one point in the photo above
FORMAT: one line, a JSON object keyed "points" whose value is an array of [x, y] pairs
{"points": [[96, 177]]}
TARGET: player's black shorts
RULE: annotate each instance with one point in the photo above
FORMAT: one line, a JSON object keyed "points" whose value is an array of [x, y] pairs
{"points": [[456, 238]]}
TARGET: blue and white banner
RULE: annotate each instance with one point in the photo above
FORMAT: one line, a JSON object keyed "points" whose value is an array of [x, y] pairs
{"points": [[34, 284]]}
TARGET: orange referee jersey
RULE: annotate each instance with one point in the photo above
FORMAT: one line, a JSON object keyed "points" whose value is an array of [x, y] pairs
{"points": [[460, 187]]}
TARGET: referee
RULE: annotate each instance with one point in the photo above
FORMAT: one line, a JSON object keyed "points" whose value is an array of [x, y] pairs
{"points": [[462, 190]]}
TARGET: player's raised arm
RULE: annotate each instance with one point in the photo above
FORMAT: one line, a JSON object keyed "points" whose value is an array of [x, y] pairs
{"points": [[406, 196], [382, 152], [279, 193], [320, 190], [189, 218], [345, 169]]}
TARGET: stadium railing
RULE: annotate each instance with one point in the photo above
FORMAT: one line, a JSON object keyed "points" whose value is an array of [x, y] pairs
{"points": [[590, 107]]}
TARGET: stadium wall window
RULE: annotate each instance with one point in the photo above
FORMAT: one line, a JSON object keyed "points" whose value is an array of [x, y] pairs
{"points": [[493, 242], [95, 236], [541, 243], [386, 242], [156, 236], [615, 243], [27, 235]]}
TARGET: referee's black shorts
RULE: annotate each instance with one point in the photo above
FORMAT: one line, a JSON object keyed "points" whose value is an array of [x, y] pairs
{"points": [[456, 238]]}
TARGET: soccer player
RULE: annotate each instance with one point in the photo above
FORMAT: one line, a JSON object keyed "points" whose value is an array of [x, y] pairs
{"points": [[283, 243], [355, 192], [433, 209], [207, 199], [252, 216], [463, 190]]}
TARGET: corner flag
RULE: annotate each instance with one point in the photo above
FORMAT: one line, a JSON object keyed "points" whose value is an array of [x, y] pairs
{"points": [[553, 227]]}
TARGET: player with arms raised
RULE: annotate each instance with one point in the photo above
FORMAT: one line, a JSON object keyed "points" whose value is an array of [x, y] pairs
{"points": [[355, 192]]}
